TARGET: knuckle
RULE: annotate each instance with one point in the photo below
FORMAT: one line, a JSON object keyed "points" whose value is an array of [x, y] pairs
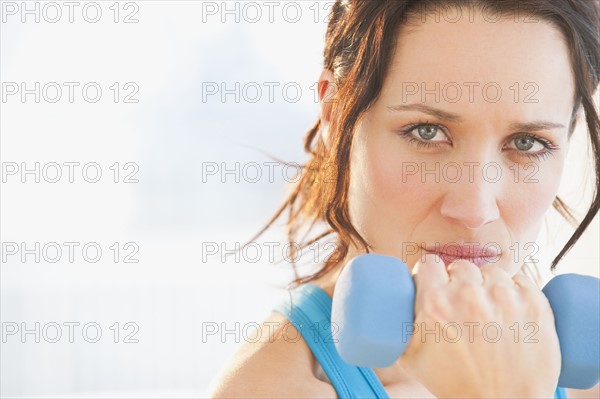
{"points": [[522, 280], [488, 267], [527, 288], [462, 264], [501, 291], [494, 274], [488, 271], [469, 292], [425, 271]]}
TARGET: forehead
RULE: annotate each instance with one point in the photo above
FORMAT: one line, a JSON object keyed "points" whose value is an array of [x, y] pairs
{"points": [[519, 58]]}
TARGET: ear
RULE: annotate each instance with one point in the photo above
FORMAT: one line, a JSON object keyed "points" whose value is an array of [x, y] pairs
{"points": [[327, 93]]}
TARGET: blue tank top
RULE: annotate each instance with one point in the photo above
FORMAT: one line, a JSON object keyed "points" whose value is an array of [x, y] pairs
{"points": [[309, 310]]}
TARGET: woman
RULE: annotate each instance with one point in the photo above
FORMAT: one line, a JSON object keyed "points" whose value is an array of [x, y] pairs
{"points": [[443, 124]]}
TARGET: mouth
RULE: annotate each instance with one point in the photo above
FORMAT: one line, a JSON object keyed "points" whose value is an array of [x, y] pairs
{"points": [[475, 254], [448, 259]]}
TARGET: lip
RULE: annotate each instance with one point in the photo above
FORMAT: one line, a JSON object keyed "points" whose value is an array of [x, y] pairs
{"points": [[475, 254]]}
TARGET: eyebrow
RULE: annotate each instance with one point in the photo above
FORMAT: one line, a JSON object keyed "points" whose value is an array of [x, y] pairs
{"points": [[426, 109], [536, 125], [451, 117]]}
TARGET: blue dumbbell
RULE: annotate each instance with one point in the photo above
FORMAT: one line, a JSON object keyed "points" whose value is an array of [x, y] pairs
{"points": [[373, 309]]}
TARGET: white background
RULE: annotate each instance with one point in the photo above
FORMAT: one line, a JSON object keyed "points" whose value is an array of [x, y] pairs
{"points": [[170, 133]]}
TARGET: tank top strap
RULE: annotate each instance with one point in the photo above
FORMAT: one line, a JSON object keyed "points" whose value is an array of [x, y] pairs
{"points": [[308, 308], [560, 393]]}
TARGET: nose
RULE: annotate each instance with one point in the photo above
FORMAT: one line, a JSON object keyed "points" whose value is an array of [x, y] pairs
{"points": [[472, 203]]}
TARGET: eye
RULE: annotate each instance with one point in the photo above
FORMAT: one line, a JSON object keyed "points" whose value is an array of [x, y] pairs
{"points": [[427, 132], [425, 135], [532, 146], [526, 143]]}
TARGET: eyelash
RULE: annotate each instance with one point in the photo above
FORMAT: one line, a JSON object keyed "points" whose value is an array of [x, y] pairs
{"points": [[549, 146]]}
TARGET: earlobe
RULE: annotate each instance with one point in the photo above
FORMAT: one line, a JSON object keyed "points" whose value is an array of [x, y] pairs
{"points": [[327, 92]]}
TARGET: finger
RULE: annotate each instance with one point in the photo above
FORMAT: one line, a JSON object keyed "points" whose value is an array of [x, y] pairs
{"points": [[464, 271], [525, 283], [498, 282], [430, 271], [493, 274], [527, 287]]}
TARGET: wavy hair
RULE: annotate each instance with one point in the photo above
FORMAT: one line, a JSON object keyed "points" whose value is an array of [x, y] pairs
{"points": [[359, 44]]}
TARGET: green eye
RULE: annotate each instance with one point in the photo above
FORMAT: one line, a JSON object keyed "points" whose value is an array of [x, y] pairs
{"points": [[524, 143], [425, 135], [532, 147], [427, 132]]}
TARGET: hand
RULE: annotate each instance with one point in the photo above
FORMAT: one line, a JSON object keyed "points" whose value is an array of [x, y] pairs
{"points": [[481, 352]]}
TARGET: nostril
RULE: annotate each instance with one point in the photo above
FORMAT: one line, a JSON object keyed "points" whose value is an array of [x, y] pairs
{"points": [[471, 212]]}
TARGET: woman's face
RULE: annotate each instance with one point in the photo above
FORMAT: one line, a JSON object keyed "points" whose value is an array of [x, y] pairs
{"points": [[466, 143]]}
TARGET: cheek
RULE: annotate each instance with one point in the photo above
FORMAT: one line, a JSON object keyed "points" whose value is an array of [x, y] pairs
{"points": [[387, 201], [526, 203], [397, 183], [397, 187]]}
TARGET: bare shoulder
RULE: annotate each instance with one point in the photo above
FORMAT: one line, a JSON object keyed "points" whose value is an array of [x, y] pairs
{"points": [[278, 364]]}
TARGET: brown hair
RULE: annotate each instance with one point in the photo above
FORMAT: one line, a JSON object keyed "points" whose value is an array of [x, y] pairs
{"points": [[360, 41]]}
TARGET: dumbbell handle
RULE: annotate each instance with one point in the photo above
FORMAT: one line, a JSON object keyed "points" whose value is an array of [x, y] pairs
{"points": [[373, 310]]}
